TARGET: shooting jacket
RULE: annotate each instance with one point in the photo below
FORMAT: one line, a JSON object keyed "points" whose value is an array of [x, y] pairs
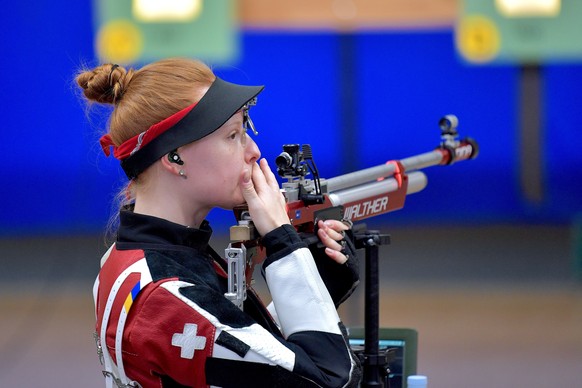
{"points": [[178, 329]]}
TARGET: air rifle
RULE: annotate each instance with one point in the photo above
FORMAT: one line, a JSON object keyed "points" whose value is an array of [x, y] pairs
{"points": [[350, 197]]}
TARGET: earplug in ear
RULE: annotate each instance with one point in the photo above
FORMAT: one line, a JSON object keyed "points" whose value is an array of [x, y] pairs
{"points": [[173, 157]]}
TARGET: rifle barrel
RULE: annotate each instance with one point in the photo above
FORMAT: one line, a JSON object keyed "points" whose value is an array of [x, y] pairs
{"points": [[417, 181], [417, 162], [427, 159], [359, 177]]}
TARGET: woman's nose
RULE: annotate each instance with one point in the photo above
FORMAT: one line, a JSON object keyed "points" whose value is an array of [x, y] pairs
{"points": [[252, 151]]}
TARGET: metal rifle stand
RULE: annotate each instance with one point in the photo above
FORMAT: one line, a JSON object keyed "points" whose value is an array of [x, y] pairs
{"points": [[375, 365]]}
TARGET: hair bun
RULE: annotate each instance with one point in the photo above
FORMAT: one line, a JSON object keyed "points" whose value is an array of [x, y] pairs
{"points": [[105, 84]]}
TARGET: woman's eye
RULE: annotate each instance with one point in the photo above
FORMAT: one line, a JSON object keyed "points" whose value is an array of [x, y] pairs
{"points": [[233, 136]]}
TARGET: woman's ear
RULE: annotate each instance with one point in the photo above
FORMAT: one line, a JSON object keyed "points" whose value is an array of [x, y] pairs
{"points": [[172, 162]]}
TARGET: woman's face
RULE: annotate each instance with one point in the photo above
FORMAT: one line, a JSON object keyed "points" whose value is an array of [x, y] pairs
{"points": [[214, 164]]}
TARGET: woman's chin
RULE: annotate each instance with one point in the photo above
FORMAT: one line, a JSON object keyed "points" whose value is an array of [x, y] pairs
{"points": [[234, 205]]}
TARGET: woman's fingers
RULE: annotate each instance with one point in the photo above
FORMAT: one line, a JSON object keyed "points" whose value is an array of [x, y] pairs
{"points": [[265, 201], [336, 256], [270, 177], [248, 188], [328, 240], [336, 229], [331, 234]]}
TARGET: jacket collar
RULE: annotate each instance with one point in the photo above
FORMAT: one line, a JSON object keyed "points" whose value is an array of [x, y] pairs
{"points": [[140, 228]]}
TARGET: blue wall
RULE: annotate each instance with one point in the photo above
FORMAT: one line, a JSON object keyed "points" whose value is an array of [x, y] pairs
{"points": [[55, 179]]}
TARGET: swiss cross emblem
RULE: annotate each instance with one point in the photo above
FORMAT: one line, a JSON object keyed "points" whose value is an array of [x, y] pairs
{"points": [[188, 341]]}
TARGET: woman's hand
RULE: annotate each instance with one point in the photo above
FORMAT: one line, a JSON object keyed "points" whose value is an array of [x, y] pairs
{"points": [[265, 201], [341, 275], [332, 234]]}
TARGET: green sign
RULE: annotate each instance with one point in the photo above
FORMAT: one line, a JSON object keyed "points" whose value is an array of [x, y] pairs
{"points": [[498, 31], [129, 31]]}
